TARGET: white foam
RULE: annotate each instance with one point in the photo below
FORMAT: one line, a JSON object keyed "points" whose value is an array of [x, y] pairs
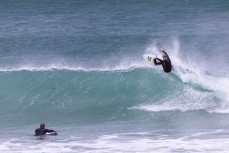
{"points": [[189, 100], [217, 85], [126, 142], [190, 72]]}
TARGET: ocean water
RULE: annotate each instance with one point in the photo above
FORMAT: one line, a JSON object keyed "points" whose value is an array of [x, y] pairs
{"points": [[77, 66]]}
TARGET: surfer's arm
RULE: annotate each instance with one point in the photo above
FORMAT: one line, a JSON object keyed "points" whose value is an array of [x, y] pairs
{"points": [[156, 62], [165, 53], [48, 130]]}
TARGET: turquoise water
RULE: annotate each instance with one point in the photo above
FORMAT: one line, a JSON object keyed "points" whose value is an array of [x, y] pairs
{"points": [[78, 67]]}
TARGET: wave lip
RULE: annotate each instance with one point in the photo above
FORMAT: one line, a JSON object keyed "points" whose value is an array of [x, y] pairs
{"points": [[118, 67]]}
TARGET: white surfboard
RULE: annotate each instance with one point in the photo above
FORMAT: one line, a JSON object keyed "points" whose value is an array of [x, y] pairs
{"points": [[149, 59], [51, 133]]}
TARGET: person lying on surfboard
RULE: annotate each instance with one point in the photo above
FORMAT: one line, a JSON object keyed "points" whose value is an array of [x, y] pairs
{"points": [[165, 62], [42, 130]]}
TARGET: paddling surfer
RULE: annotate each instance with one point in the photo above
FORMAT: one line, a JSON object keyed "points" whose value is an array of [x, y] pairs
{"points": [[42, 130]]}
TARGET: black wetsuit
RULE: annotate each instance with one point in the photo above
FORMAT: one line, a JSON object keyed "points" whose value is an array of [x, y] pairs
{"points": [[166, 63], [40, 131]]}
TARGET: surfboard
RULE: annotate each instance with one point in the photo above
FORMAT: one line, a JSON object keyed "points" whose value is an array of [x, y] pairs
{"points": [[149, 59], [51, 133]]}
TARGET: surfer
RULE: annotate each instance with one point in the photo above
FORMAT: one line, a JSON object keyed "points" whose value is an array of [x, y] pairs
{"points": [[41, 131], [165, 62]]}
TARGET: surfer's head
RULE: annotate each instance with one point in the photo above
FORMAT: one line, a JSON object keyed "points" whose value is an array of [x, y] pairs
{"points": [[164, 56], [42, 125]]}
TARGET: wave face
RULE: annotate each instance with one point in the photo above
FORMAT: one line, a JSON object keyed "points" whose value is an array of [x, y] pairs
{"points": [[95, 95]]}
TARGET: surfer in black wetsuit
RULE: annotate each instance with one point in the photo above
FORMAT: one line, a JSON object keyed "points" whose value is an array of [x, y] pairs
{"points": [[41, 131], [165, 62]]}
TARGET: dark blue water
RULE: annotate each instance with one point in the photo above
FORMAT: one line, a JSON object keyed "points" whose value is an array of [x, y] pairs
{"points": [[78, 67]]}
